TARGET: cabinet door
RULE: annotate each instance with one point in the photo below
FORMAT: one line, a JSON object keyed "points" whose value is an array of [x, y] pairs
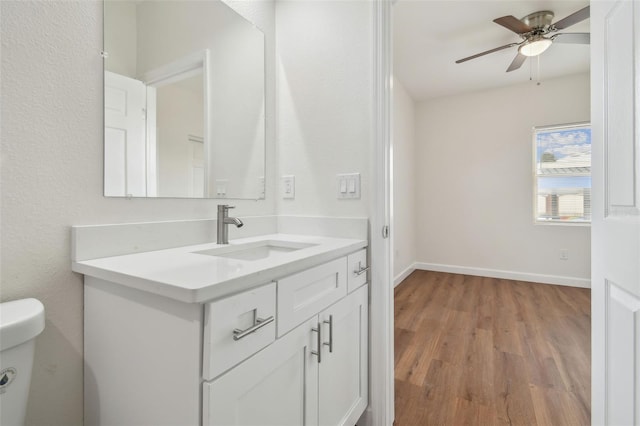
{"points": [[276, 386], [343, 378]]}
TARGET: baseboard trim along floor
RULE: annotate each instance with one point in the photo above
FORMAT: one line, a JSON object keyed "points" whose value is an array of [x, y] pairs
{"points": [[495, 273]]}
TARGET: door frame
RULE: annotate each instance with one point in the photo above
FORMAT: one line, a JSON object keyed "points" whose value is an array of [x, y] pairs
{"points": [[381, 384], [178, 70], [381, 406]]}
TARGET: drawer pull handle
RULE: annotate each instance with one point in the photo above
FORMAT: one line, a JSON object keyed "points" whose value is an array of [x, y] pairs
{"points": [[330, 344], [318, 353], [360, 269], [260, 322]]}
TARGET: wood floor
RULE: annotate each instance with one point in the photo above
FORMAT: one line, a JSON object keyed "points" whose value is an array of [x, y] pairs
{"points": [[484, 351]]}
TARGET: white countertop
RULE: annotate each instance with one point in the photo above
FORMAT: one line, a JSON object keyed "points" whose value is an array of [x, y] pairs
{"points": [[181, 274]]}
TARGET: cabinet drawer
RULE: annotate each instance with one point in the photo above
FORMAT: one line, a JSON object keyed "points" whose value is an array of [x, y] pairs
{"points": [[356, 263], [303, 295], [224, 347]]}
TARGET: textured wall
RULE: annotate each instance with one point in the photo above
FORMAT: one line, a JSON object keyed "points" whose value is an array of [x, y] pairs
{"points": [[475, 179], [51, 106], [404, 180], [324, 102]]}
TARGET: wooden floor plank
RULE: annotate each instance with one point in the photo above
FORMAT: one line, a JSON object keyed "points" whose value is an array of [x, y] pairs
{"points": [[483, 351], [477, 370]]}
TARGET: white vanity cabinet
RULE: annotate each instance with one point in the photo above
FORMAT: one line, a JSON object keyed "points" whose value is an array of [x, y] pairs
{"points": [[316, 375], [292, 351]]}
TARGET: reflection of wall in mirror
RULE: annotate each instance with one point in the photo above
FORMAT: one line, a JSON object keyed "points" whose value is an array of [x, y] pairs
{"points": [[121, 45], [179, 115], [237, 127], [236, 77]]}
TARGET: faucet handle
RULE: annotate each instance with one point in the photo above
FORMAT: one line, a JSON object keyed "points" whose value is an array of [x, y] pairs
{"points": [[223, 207]]}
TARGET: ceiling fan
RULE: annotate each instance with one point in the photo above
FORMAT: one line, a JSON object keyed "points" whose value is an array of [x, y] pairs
{"points": [[536, 31]]}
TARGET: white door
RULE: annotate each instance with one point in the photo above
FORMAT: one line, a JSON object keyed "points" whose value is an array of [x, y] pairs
{"points": [[343, 381], [276, 387], [615, 73], [124, 136]]}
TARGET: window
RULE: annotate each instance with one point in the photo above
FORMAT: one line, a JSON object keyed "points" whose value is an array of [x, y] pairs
{"points": [[563, 173]]}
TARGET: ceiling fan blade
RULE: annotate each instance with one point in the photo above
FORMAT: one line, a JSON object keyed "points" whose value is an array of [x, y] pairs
{"points": [[574, 38], [572, 19], [512, 23], [517, 62], [506, 46]]}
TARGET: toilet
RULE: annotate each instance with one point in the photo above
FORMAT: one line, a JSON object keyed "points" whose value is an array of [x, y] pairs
{"points": [[20, 322]]}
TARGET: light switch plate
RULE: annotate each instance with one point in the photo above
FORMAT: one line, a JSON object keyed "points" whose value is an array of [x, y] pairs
{"points": [[348, 186], [221, 187], [288, 187]]}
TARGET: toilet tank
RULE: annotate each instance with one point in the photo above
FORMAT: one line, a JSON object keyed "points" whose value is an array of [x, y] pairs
{"points": [[20, 322]]}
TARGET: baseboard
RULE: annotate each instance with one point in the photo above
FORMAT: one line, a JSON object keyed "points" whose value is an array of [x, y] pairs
{"points": [[404, 274], [509, 275]]}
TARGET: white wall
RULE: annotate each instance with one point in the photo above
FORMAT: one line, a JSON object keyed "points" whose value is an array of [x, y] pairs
{"points": [[324, 102], [51, 135], [404, 182], [475, 179]]}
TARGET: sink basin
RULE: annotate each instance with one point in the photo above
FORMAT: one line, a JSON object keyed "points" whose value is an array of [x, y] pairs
{"points": [[255, 251]]}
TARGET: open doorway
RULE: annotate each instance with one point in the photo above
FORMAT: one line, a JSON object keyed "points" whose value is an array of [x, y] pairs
{"points": [[465, 203]]}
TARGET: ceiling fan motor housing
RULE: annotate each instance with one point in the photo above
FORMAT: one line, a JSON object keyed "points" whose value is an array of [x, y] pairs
{"points": [[539, 21]]}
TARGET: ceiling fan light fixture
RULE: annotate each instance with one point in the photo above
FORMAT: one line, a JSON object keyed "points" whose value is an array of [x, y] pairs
{"points": [[535, 46]]}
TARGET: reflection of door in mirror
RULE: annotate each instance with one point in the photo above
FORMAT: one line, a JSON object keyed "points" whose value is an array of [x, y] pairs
{"points": [[155, 135], [162, 157], [124, 142]]}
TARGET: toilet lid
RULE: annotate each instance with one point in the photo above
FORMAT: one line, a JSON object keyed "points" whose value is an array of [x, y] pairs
{"points": [[20, 321]]}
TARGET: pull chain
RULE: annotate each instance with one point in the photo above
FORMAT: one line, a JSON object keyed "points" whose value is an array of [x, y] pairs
{"points": [[538, 70]]}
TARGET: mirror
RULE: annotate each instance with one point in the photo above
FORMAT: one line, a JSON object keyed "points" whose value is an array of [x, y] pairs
{"points": [[184, 101]]}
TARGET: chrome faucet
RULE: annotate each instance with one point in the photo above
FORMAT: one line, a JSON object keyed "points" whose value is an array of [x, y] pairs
{"points": [[223, 221]]}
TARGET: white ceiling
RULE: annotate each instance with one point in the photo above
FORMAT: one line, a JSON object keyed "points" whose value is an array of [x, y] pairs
{"points": [[429, 36]]}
